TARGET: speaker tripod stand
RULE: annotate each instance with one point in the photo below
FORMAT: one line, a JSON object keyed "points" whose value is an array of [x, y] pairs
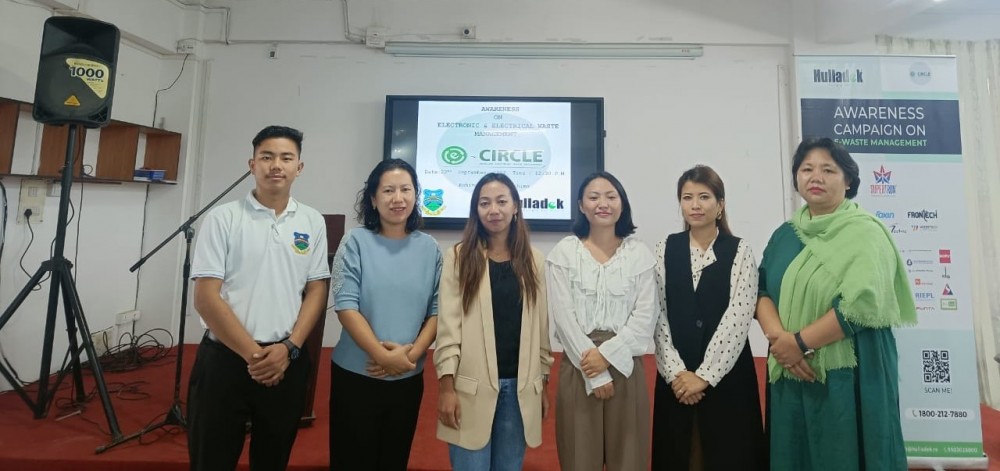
{"points": [[76, 324]]}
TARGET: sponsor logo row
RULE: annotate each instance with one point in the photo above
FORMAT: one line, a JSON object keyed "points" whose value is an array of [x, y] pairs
{"points": [[920, 264]]}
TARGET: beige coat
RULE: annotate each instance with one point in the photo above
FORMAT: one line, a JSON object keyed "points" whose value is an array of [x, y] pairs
{"points": [[466, 348]]}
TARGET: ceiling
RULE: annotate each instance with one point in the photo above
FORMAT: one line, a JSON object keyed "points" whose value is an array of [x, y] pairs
{"points": [[967, 6]]}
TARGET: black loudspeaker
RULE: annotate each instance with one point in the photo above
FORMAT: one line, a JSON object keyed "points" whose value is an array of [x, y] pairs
{"points": [[76, 72]]}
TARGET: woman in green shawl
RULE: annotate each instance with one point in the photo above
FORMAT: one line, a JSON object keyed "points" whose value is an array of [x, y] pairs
{"points": [[832, 287]]}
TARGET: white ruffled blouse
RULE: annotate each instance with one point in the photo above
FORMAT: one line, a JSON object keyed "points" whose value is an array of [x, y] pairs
{"points": [[617, 296]]}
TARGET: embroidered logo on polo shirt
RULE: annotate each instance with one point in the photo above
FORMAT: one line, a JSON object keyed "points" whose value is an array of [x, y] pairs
{"points": [[301, 243]]}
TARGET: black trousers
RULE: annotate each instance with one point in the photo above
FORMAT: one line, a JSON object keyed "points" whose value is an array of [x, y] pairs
{"points": [[222, 399], [728, 424], [372, 421]]}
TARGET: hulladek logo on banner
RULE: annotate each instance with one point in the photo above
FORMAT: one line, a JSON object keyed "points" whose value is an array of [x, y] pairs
{"points": [[909, 150], [838, 76]]}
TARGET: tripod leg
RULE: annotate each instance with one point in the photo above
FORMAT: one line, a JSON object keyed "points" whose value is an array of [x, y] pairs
{"points": [[44, 395], [71, 296], [60, 275], [7, 314], [69, 308], [22, 295]]}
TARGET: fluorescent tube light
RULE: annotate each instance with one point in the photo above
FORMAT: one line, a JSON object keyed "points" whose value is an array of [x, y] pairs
{"points": [[544, 50]]}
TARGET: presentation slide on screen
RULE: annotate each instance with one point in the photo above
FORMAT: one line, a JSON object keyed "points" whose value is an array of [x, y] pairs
{"points": [[459, 142]]}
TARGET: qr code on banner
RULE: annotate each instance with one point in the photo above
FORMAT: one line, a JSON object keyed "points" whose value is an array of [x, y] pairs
{"points": [[937, 366]]}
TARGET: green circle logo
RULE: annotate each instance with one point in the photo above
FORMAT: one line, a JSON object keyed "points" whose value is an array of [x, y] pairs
{"points": [[454, 155]]}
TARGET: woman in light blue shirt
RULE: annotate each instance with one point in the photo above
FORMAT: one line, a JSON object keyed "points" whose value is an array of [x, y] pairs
{"points": [[385, 293]]}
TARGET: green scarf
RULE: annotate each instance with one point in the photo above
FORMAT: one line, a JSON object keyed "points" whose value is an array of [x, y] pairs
{"points": [[850, 255]]}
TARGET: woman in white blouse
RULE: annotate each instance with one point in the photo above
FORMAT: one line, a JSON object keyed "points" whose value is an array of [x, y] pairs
{"points": [[707, 413], [603, 303]]}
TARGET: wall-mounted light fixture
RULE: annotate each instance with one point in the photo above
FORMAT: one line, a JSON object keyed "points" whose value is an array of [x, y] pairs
{"points": [[544, 50]]}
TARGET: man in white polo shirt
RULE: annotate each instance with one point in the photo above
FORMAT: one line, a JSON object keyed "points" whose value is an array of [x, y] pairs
{"points": [[261, 277]]}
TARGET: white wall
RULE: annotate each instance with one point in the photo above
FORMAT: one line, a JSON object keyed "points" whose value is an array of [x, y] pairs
{"points": [[705, 21], [967, 25], [111, 217]]}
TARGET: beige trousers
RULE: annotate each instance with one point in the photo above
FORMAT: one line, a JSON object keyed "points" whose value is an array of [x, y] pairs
{"points": [[591, 432]]}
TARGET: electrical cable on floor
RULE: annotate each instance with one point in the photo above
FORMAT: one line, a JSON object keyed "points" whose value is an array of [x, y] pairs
{"points": [[131, 353]]}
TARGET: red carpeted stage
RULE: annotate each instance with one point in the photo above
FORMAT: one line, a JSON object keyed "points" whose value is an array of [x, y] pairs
{"points": [[68, 444]]}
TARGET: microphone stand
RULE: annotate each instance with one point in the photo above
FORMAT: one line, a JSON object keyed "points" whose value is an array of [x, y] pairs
{"points": [[174, 415]]}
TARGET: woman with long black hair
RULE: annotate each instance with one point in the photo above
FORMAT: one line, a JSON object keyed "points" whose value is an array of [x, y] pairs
{"points": [[493, 355]]}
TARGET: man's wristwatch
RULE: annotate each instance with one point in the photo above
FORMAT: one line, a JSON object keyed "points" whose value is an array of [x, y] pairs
{"points": [[806, 351], [293, 351]]}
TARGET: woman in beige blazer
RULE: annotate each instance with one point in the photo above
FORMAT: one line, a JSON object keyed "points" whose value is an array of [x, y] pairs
{"points": [[493, 354]]}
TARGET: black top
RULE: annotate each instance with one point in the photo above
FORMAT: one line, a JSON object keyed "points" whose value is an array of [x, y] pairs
{"points": [[506, 291], [728, 417], [694, 315]]}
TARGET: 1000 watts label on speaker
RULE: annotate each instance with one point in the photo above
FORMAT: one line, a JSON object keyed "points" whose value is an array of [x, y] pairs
{"points": [[73, 87], [94, 74]]}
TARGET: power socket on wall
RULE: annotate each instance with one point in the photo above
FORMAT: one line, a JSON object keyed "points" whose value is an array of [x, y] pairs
{"points": [[127, 316], [187, 46], [375, 37], [102, 340], [32, 198]]}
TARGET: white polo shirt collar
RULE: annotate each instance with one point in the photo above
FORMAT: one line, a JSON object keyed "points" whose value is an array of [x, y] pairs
{"points": [[291, 207]]}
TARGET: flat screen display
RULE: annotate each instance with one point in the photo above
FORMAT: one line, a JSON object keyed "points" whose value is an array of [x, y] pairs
{"points": [[546, 145]]}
